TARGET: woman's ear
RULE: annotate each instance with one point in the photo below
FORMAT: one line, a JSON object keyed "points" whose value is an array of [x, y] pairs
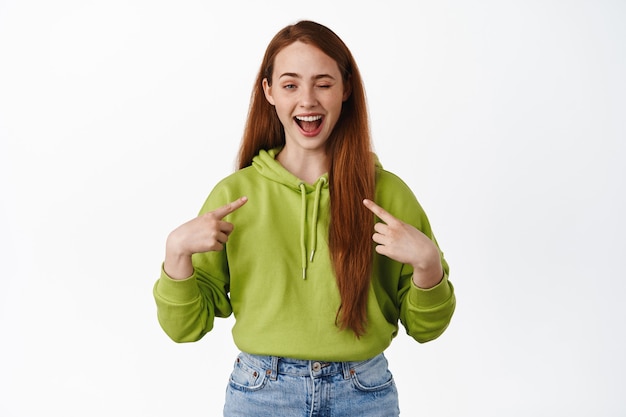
{"points": [[347, 89], [267, 89]]}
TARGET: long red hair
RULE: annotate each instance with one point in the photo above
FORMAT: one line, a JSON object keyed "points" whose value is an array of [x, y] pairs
{"points": [[351, 173]]}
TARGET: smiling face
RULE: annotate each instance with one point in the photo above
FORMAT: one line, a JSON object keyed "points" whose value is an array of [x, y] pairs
{"points": [[307, 91]]}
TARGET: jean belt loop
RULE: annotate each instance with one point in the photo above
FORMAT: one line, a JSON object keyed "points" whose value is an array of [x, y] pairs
{"points": [[273, 371], [347, 369]]}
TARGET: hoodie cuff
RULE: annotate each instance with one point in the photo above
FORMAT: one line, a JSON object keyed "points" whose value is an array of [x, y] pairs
{"points": [[178, 291], [425, 299]]}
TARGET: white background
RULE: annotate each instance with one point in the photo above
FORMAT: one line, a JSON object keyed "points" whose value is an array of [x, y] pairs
{"points": [[507, 119]]}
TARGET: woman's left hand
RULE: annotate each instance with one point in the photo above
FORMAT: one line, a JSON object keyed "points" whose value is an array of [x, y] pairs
{"points": [[406, 244]]}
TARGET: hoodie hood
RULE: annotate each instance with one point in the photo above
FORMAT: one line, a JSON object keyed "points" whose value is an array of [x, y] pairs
{"points": [[266, 164]]}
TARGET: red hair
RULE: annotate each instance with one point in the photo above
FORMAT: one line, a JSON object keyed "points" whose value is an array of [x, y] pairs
{"points": [[351, 173]]}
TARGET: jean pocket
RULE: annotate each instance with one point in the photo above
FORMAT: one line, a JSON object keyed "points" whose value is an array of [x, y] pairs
{"points": [[246, 377], [372, 375]]}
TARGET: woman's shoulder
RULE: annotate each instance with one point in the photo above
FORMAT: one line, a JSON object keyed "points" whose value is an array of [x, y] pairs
{"points": [[229, 188], [240, 176], [394, 195], [388, 181]]}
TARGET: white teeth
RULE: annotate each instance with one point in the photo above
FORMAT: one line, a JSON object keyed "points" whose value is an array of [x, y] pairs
{"points": [[308, 118]]}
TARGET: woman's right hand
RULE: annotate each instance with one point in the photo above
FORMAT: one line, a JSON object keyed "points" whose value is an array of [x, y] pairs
{"points": [[207, 232]]}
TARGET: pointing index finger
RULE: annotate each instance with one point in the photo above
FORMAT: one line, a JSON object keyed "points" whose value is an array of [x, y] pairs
{"points": [[230, 207], [378, 211]]}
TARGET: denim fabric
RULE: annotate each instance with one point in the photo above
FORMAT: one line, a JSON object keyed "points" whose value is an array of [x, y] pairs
{"points": [[270, 386]]}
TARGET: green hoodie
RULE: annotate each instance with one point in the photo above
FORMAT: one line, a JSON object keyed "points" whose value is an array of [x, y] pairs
{"points": [[275, 273]]}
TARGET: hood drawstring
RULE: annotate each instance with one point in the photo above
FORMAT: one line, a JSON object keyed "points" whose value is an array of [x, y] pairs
{"points": [[302, 224], [313, 232]]}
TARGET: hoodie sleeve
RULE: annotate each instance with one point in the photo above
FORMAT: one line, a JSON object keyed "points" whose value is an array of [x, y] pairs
{"points": [[426, 313], [187, 308]]}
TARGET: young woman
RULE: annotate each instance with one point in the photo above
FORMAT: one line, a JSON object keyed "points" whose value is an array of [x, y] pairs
{"points": [[315, 248]]}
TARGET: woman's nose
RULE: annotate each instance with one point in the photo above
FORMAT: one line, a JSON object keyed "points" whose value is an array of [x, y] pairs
{"points": [[308, 97]]}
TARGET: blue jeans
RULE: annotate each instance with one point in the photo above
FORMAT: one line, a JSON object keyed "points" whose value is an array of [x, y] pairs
{"points": [[271, 386]]}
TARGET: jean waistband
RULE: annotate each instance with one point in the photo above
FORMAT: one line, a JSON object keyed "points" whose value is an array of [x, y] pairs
{"points": [[275, 365]]}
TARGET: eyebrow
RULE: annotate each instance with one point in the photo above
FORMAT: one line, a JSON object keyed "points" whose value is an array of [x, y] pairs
{"points": [[296, 75]]}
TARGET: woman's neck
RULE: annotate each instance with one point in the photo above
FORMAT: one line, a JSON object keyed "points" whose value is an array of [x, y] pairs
{"points": [[308, 166]]}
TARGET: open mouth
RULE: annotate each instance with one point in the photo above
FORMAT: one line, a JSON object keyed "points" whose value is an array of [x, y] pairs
{"points": [[309, 124]]}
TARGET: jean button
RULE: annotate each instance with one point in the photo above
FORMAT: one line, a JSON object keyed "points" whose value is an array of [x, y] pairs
{"points": [[317, 366]]}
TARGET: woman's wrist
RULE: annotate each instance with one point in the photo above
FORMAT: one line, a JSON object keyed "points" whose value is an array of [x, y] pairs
{"points": [[427, 278], [177, 265]]}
